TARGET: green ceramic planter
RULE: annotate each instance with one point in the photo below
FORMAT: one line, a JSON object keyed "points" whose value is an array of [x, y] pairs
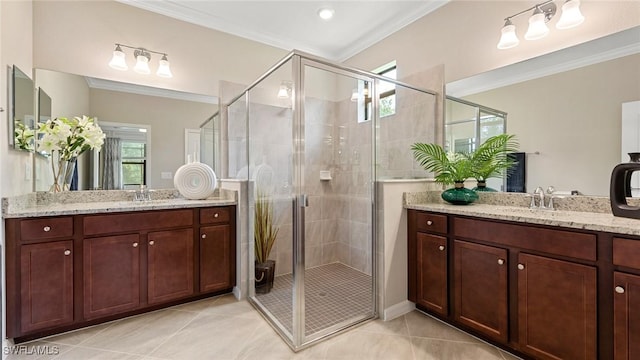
{"points": [[459, 195], [482, 186]]}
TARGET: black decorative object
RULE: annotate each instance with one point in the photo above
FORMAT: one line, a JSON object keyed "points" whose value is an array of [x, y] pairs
{"points": [[620, 188]]}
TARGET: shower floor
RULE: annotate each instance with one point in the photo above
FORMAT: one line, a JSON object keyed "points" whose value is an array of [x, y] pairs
{"points": [[333, 293]]}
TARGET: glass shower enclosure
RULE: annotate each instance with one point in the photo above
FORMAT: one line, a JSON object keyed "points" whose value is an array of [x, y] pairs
{"points": [[304, 137]]}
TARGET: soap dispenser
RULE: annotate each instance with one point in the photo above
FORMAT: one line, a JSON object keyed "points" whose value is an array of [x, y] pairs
{"points": [[620, 188]]}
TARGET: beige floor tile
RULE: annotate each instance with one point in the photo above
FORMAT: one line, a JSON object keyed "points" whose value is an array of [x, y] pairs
{"points": [[421, 325], [80, 353], [431, 349], [197, 306], [141, 334], [76, 337], [230, 306], [361, 345], [508, 356], [397, 326], [265, 344], [209, 337], [36, 350]]}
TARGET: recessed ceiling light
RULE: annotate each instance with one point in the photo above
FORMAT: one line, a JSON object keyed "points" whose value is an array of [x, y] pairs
{"points": [[326, 13]]}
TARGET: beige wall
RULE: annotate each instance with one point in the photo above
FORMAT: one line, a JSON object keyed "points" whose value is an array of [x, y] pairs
{"points": [[78, 37], [168, 118], [463, 35], [573, 119]]}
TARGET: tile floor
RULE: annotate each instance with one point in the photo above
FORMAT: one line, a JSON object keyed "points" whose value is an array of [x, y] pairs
{"points": [[224, 328], [333, 293]]}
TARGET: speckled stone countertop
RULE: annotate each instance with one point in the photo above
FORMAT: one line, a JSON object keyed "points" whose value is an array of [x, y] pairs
{"points": [[100, 201], [591, 213]]}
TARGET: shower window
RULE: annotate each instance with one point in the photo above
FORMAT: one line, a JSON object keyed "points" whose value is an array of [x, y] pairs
{"points": [[134, 163]]}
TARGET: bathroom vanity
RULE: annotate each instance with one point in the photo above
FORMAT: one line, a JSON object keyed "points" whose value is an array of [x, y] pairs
{"points": [[544, 284], [83, 264]]}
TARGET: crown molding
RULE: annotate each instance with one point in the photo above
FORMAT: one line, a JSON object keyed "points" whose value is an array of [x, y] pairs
{"points": [[606, 48], [103, 84]]}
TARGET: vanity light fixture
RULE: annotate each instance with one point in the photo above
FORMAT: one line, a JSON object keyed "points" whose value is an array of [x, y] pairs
{"points": [[143, 57], [542, 14]]}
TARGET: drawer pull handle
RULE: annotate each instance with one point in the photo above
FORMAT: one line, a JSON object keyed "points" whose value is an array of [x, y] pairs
{"points": [[47, 228], [500, 262], [215, 215], [619, 289], [441, 247], [135, 244], [520, 267], [429, 222], [204, 236], [67, 252], [151, 242]]}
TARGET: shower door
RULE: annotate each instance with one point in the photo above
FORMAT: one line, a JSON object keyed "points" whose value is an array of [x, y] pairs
{"points": [[334, 279]]}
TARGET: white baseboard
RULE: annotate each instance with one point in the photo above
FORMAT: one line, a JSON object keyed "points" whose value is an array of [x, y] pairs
{"points": [[398, 310]]}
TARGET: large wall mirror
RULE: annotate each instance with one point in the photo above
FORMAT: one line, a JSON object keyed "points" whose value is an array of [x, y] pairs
{"points": [[165, 115], [21, 130], [566, 109]]}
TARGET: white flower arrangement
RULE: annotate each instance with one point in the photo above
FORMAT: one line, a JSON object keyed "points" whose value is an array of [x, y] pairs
{"points": [[23, 136], [70, 137]]}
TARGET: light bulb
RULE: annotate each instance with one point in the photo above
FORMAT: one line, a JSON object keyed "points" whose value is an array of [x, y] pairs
{"points": [[508, 39], [118, 61], [537, 26], [163, 68], [571, 15]]}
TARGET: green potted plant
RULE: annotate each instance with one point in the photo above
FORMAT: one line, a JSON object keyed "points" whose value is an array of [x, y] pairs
{"points": [[449, 168], [491, 159], [265, 234]]}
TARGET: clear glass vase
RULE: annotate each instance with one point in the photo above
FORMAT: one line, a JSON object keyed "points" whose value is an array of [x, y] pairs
{"points": [[62, 173]]}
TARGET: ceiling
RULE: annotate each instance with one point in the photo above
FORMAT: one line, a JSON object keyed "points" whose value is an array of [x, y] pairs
{"points": [[290, 25]]}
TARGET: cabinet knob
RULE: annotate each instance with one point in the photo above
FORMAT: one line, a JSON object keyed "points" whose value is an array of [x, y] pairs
{"points": [[619, 289], [500, 261], [520, 267], [135, 244], [46, 228], [215, 215], [204, 236], [429, 222], [441, 247], [151, 242], [67, 252]]}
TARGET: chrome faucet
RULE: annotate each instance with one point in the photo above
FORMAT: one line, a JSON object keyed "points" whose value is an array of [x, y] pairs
{"points": [[142, 194], [540, 194]]}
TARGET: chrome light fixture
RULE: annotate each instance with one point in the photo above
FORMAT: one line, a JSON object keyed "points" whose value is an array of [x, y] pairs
{"points": [[143, 57], [542, 13]]}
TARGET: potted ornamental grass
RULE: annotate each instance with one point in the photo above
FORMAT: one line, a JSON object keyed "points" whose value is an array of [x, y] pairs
{"points": [[265, 234], [448, 168]]}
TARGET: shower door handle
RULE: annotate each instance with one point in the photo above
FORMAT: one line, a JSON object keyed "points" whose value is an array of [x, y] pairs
{"points": [[303, 200]]}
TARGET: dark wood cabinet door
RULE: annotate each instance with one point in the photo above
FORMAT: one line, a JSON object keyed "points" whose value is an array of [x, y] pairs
{"points": [[170, 265], [626, 316], [217, 258], [46, 285], [432, 272], [111, 275], [556, 308], [480, 288]]}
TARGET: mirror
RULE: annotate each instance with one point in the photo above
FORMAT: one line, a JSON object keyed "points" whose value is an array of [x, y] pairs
{"points": [[166, 115], [44, 110], [21, 133], [566, 110]]}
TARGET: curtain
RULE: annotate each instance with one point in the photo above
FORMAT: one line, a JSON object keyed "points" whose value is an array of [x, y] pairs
{"points": [[112, 170]]}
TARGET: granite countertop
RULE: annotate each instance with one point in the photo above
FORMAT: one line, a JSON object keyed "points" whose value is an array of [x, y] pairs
{"points": [[583, 219], [44, 204]]}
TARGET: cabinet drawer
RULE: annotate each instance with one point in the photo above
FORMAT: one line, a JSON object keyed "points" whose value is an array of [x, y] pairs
{"points": [[216, 215], [626, 252], [428, 222], [559, 242], [46, 228], [135, 222]]}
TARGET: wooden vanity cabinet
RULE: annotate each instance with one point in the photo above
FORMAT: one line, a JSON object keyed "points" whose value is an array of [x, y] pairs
{"points": [[72, 271], [626, 299], [530, 289], [480, 288]]}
